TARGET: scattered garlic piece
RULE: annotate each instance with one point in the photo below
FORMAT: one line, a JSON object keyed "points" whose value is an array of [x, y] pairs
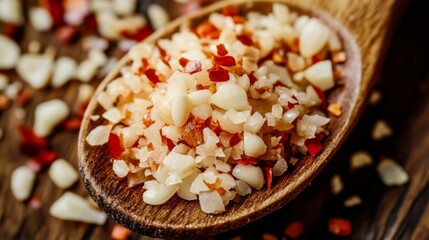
{"points": [[10, 52], [360, 159], [336, 184], [86, 70], [71, 206], [64, 70], [11, 12], [280, 167], [120, 168], [391, 173], [85, 93], [211, 202], [381, 130], [180, 109], [251, 175], [35, 69], [334, 42], [320, 75], [313, 38], [40, 19], [159, 194], [63, 174], [158, 16], [48, 114], [352, 201], [124, 8], [22, 181]]}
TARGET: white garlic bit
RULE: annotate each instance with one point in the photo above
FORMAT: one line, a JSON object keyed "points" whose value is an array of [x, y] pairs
{"points": [[391, 173], [230, 96], [352, 201], [63, 174], [211, 202], [158, 15], [71, 206], [120, 167], [159, 194], [251, 175], [48, 114], [381, 130], [336, 184], [64, 70], [320, 75], [35, 69], [22, 181], [360, 159], [11, 12], [41, 19], [313, 37], [10, 52], [254, 146], [99, 135]]}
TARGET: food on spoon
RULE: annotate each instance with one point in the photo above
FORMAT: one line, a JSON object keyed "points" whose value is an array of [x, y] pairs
{"points": [[213, 112]]}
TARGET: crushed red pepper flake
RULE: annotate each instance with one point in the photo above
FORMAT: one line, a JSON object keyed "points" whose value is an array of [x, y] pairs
{"points": [[170, 144], [72, 124], [250, 161], [218, 74], [65, 33], [138, 35], [235, 138], [11, 30], [30, 143], [24, 96], [115, 146], [45, 157], [230, 11], [91, 24], [152, 76], [245, 39], [268, 176], [227, 61], [221, 50], [314, 145], [339, 226], [183, 61], [207, 30], [294, 229], [55, 9], [252, 78]]}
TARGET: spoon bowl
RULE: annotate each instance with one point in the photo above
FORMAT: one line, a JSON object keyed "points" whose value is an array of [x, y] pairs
{"points": [[179, 218]]}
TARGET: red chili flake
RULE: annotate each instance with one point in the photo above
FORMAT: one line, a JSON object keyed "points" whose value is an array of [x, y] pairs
{"points": [[215, 127], [235, 138], [315, 59], [35, 202], [339, 226], [46, 157], [147, 121], [221, 50], [268, 176], [290, 105], [230, 11], [30, 144], [200, 87], [72, 124], [252, 78], [56, 10], [138, 35], [218, 74], [120, 233], [11, 30], [207, 30], [245, 39], [115, 146], [321, 95], [286, 138], [250, 161], [238, 19], [294, 229], [314, 145], [23, 97], [152, 76], [183, 62], [144, 66], [66, 33], [170, 144], [91, 24], [227, 61]]}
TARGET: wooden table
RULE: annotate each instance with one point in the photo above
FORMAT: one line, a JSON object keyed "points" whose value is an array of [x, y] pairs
{"points": [[386, 213]]}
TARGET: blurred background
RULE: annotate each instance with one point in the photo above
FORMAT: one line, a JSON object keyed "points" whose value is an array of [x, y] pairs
{"points": [[342, 196]]}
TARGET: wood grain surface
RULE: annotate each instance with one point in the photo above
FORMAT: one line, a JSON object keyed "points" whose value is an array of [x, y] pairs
{"points": [[386, 213]]}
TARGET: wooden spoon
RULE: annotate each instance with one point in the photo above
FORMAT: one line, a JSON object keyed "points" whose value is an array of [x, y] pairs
{"points": [[367, 21]]}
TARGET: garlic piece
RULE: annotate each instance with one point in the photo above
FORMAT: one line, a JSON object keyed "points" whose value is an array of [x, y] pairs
{"points": [[48, 114], [254, 123], [64, 70], [179, 163], [251, 175], [352, 201], [120, 168], [211, 202], [320, 75], [159, 194], [63, 174], [22, 181], [360, 159], [381, 130], [35, 69], [313, 38], [253, 145], [10, 52], [180, 109], [336, 184], [11, 12], [158, 16], [124, 8], [230, 96], [40, 19], [99, 135], [391, 173], [71, 206]]}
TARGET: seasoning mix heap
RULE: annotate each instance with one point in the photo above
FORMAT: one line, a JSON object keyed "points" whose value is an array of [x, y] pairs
{"points": [[220, 108]]}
